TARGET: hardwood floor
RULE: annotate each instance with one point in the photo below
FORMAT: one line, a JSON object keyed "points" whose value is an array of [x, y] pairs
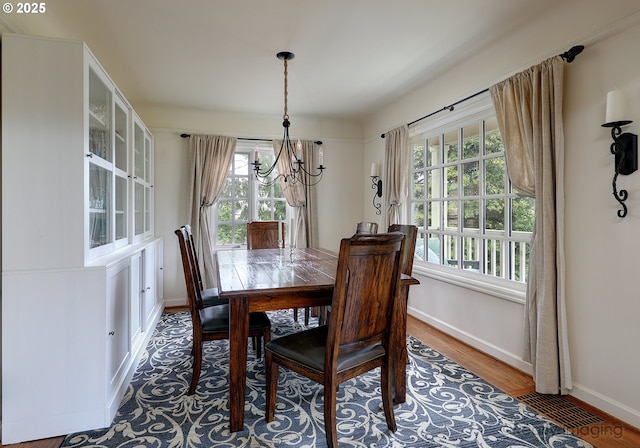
{"points": [[607, 432]]}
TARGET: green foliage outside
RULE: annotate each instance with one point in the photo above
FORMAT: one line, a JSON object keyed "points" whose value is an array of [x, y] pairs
{"points": [[462, 179]]}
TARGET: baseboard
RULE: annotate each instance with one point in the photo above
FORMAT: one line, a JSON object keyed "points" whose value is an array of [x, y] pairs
{"points": [[169, 303], [606, 404], [508, 358]]}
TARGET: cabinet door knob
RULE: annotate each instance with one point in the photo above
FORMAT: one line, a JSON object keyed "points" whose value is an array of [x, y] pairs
{"points": [[90, 154], [111, 333]]}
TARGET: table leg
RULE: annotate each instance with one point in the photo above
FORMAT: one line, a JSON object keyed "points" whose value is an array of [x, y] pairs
{"points": [[238, 335], [399, 356]]}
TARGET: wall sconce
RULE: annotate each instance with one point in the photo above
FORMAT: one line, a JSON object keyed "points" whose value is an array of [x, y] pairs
{"points": [[624, 146], [376, 184]]}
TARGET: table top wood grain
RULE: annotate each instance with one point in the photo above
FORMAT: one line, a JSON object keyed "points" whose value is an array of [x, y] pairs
{"points": [[264, 271]]}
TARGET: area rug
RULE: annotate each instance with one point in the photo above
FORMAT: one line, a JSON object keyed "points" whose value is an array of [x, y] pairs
{"points": [[446, 406]]}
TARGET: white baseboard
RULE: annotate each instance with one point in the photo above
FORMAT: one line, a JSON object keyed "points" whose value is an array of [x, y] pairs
{"points": [[175, 302], [485, 347], [606, 404]]}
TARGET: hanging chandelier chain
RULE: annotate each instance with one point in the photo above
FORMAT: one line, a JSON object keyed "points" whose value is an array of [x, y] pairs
{"points": [[286, 89]]}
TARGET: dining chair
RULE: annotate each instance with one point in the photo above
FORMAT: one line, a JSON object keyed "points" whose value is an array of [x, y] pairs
{"points": [[212, 322], [406, 267], [411, 236], [265, 235], [356, 339], [209, 295], [367, 227]]}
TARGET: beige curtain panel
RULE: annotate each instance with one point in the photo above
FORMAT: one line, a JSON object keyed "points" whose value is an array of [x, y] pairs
{"points": [[396, 174], [299, 196], [210, 160], [529, 111]]}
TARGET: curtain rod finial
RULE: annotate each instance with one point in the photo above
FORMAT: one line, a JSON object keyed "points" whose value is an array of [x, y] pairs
{"points": [[571, 54]]}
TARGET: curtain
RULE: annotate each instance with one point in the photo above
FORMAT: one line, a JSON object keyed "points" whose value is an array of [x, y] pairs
{"points": [[303, 227], [397, 161], [529, 111], [210, 160]]}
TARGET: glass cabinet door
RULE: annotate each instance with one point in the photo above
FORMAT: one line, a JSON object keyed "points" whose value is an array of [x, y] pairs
{"points": [[99, 206], [100, 159], [142, 193], [149, 186], [121, 165], [121, 208], [99, 117]]}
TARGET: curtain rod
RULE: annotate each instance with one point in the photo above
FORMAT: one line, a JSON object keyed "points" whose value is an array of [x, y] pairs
{"points": [[317, 142], [568, 56]]}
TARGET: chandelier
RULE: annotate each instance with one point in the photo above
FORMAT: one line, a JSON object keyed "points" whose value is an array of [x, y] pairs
{"points": [[294, 170]]}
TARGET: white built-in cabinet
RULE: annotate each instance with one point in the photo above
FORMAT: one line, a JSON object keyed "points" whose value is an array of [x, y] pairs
{"points": [[81, 268]]}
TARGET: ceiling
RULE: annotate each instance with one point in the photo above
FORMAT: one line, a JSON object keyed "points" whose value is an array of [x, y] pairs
{"points": [[351, 56]]}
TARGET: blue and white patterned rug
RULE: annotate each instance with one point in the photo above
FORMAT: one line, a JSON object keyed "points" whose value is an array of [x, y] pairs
{"points": [[446, 405]]}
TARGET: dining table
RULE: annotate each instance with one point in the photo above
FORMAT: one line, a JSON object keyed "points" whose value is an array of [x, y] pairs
{"points": [[274, 279]]}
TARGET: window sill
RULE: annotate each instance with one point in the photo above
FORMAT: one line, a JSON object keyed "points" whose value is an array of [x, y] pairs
{"points": [[497, 287]]}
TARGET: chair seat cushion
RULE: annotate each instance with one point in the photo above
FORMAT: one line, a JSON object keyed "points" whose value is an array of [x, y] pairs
{"points": [[210, 298], [216, 318], [308, 347]]}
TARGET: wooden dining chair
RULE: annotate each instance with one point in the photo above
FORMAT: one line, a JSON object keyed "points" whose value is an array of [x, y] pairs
{"points": [[411, 236], [209, 295], [356, 339], [264, 235], [212, 322], [367, 227]]}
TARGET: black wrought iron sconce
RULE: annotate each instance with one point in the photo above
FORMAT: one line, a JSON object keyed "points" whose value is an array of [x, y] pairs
{"points": [[376, 184], [624, 146]]}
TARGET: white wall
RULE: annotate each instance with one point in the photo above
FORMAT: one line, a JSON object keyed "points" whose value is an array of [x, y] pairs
{"points": [[602, 299], [340, 194]]}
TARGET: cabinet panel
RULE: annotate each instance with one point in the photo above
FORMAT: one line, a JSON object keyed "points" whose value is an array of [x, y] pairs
{"points": [[135, 297], [149, 295], [118, 327]]}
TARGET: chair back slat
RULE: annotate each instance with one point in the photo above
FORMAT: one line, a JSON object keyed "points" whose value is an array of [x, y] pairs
{"points": [[194, 257], [367, 280], [367, 227], [264, 234], [193, 290], [411, 235]]}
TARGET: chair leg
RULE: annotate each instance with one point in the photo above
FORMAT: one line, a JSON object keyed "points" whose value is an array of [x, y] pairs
{"points": [[197, 366], [295, 314], [271, 374], [307, 313], [330, 391], [387, 396]]}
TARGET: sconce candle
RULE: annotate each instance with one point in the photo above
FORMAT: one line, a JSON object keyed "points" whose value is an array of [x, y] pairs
{"points": [[616, 107], [375, 170]]}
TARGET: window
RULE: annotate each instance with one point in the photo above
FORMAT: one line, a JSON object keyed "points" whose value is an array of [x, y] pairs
{"points": [[468, 215], [243, 199]]}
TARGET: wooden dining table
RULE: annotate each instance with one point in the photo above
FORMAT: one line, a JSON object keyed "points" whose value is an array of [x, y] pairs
{"points": [[274, 279]]}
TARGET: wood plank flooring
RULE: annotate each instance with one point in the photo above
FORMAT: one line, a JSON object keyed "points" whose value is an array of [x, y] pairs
{"points": [[606, 433]]}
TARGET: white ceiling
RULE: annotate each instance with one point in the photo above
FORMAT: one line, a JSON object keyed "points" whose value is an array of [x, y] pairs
{"points": [[351, 56]]}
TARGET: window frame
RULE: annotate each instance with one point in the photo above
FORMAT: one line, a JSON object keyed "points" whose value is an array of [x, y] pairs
{"points": [[247, 148], [473, 111]]}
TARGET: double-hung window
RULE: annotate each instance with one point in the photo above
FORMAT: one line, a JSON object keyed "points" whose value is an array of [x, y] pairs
{"points": [[468, 214], [244, 199]]}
